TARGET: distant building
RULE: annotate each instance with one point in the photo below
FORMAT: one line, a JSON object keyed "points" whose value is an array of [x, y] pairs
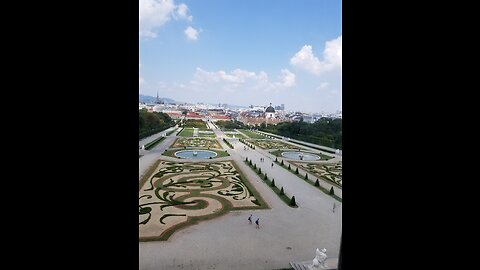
{"points": [[269, 112]]}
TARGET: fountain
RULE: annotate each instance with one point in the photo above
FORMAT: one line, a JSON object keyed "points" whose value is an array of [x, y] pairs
{"points": [[192, 154], [300, 156]]}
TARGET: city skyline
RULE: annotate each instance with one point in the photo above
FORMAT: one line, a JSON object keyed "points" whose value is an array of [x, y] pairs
{"points": [[243, 53]]}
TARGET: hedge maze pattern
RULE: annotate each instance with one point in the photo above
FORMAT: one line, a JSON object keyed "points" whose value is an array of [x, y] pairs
{"points": [[331, 172], [176, 195]]}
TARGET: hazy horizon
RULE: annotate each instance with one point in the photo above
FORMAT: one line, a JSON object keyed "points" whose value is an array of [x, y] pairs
{"points": [[243, 52]]}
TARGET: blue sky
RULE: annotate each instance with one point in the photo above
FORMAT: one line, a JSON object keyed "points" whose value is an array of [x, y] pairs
{"points": [[243, 52]]}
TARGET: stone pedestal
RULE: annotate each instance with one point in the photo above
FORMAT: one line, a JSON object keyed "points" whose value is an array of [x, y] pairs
{"points": [[330, 264]]}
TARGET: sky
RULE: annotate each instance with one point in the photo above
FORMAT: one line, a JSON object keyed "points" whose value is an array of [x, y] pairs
{"points": [[243, 52]]}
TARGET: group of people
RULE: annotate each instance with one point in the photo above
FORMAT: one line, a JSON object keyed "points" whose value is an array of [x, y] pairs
{"points": [[257, 222], [245, 148], [262, 159]]}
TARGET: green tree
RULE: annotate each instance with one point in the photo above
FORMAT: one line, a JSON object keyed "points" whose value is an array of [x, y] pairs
{"points": [[292, 201]]}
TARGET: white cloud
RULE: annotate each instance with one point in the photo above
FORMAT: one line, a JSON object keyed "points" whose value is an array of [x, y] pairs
{"points": [[191, 33], [323, 85], [288, 79], [243, 78], [332, 58], [155, 13], [182, 12]]}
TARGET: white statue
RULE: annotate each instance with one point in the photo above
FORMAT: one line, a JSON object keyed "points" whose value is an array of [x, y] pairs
{"points": [[319, 260]]}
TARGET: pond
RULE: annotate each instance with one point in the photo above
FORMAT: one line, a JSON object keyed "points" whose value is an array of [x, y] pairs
{"points": [[189, 154], [300, 156]]}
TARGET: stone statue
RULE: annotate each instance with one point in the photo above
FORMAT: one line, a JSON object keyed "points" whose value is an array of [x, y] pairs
{"points": [[319, 260]]}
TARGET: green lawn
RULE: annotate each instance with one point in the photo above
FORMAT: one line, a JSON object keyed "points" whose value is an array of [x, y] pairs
{"points": [[251, 134], [186, 132]]}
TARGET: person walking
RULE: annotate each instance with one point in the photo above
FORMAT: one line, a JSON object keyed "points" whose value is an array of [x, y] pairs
{"points": [[333, 209], [272, 165], [250, 219], [258, 223]]}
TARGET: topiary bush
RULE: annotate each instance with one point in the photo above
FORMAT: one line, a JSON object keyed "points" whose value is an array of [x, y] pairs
{"points": [[250, 162], [265, 177], [289, 168], [332, 192], [306, 176], [292, 201], [276, 159], [296, 171], [281, 163], [260, 170], [317, 184], [273, 183], [282, 192]]}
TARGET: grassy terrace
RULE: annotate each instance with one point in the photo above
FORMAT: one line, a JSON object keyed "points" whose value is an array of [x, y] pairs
{"points": [[186, 132], [278, 153], [238, 135], [171, 152], [252, 134]]}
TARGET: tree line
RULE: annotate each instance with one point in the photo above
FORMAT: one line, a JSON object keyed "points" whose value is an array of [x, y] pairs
{"points": [[150, 123], [230, 124], [325, 131]]}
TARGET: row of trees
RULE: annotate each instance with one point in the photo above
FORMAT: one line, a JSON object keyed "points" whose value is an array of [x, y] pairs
{"points": [[150, 123], [325, 131], [194, 123], [230, 124]]}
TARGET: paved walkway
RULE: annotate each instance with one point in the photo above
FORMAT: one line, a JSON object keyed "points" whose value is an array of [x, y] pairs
{"points": [[154, 136], [229, 242]]}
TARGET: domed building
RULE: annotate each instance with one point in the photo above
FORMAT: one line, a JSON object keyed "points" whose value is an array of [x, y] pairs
{"points": [[270, 112]]}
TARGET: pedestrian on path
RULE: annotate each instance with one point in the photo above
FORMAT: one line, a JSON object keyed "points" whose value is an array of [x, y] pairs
{"points": [[250, 219], [272, 165], [258, 223], [333, 207]]}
